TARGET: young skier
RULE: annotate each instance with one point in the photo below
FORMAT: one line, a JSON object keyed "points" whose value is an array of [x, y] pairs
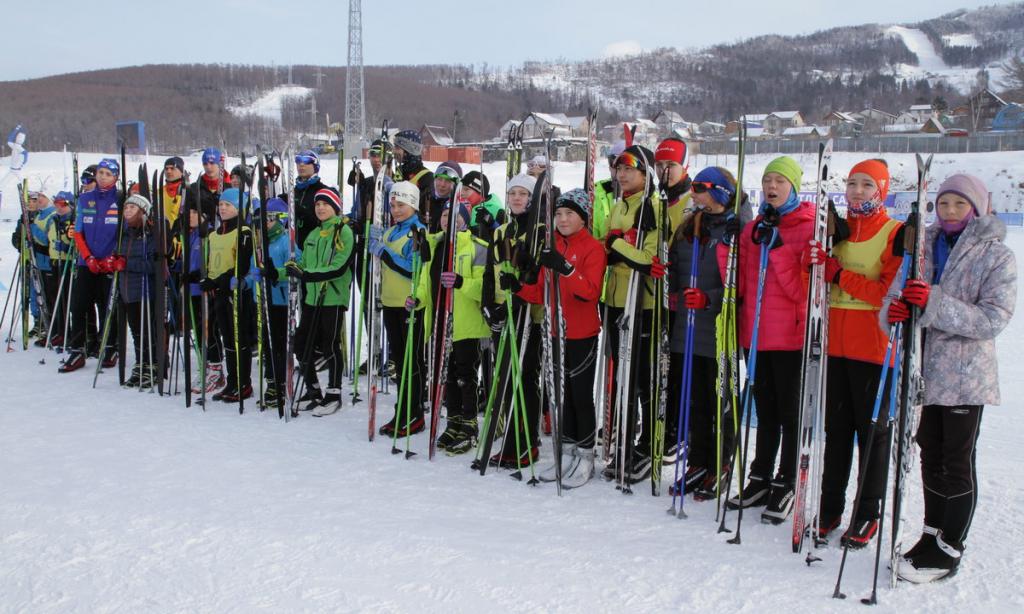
{"points": [[58, 230], [785, 225], [860, 269], [713, 195], [307, 186], [275, 333], [325, 268], [580, 262], [445, 177], [226, 250], [138, 289], [394, 248], [967, 297]]}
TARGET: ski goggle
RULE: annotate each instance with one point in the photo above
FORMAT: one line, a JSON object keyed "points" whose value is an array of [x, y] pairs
{"points": [[306, 159], [699, 187], [630, 160], [446, 172]]}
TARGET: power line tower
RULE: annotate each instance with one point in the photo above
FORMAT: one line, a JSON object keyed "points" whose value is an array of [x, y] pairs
{"points": [[355, 99]]}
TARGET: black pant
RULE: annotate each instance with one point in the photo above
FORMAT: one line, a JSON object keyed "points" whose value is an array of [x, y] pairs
{"points": [[579, 425], [238, 359], [320, 327], [777, 400], [948, 437], [214, 351], [60, 308], [275, 344], [530, 378], [90, 294], [850, 397], [397, 327], [640, 383], [136, 323], [703, 434], [461, 386]]}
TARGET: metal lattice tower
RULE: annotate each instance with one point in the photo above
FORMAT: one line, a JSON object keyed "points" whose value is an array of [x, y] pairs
{"points": [[355, 100]]}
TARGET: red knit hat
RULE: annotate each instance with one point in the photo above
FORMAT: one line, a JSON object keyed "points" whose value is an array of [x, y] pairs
{"points": [[330, 197], [878, 172], [673, 150]]}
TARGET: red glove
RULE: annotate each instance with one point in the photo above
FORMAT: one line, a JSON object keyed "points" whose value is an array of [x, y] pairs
{"points": [[898, 312], [695, 299], [832, 270], [95, 266], [630, 236], [657, 268], [114, 263], [814, 254], [916, 292]]}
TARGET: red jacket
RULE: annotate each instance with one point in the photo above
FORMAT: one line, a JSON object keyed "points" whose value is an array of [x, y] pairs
{"points": [[581, 290], [784, 306]]}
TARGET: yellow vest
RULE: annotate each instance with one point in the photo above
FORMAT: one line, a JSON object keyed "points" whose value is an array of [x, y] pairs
{"points": [[863, 258], [222, 253], [394, 287]]}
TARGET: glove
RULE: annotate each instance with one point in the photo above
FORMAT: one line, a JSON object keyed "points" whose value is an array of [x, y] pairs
{"points": [[766, 231], [555, 262], [95, 266], [114, 263], [495, 316], [898, 312], [208, 285], [356, 226], [732, 229], [610, 238], [837, 226], [630, 236], [376, 247], [695, 298], [293, 270], [645, 219], [833, 270], [176, 248], [451, 279], [657, 268], [508, 281], [483, 218], [814, 254], [376, 233], [522, 260], [269, 272], [411, 303], [916, 292]]}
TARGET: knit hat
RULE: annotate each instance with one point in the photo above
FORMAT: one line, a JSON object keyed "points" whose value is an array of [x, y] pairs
{"points": [[538, 160], [308, 156], [449, 170], [111, 165], [233, 197], [636, 156], [407, 193], [176, 162], [139, 201], [879, 173], [578, 200], [971, 188], [672, 150], [211, 155], [522, 180], [243, 172], [377, 147], [329, 196], [477, 181], [463, 212], [719, 185], [410, 141], [788, 168]]}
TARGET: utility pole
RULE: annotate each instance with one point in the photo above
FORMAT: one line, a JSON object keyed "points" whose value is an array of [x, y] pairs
{"points": [[355, 99]]}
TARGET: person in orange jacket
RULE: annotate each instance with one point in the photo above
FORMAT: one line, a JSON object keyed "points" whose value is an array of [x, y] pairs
{"points": [[860, 268]]}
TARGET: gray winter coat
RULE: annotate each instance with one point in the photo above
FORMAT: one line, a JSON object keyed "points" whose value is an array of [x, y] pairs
{"points": [[709, 279], [972, 304]]}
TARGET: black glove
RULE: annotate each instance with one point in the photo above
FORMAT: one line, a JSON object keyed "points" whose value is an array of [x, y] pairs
{"points": [[495, 316], [269, 272], [767, 234], [555, 262], [194, 277], [732, 229], [224, 281], [207, 285], [837, 226], [508, 281], [646, 221], [483, 218], [356, 226], [521, 259], [420, 240], [294, 271]]}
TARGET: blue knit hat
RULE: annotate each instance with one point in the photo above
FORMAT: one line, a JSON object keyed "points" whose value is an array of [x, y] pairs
{"points": [[723, 189], [233, 197], [211, 155]]}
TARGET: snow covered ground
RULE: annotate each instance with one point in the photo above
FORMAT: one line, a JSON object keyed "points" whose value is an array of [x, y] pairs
{"points": [[931, 65], [115, 500], [269, 105]]}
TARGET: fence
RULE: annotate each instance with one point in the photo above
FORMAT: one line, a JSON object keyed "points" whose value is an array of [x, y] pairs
{"points": [[981, 142]]}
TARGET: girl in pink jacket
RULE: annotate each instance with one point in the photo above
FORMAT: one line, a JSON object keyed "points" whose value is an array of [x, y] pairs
{"points": [[785, 225]]}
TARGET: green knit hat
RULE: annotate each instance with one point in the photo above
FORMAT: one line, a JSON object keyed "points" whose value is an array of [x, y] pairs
{"points": [[788, 168]]}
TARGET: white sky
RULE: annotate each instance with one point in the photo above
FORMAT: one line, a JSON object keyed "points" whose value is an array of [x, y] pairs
{"points": [[59, 36]]}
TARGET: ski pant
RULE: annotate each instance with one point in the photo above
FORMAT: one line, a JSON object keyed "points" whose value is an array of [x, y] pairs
{"points": [[320, 329], [142, 339], [60, 309], [530, 372], [640, 383], [90, 294], [579, 425], [275, 344], [237, 356], [461, 387], [777, 400], [214, 351], [397, 327], [704, 427], [948, 437], [849, 403]]}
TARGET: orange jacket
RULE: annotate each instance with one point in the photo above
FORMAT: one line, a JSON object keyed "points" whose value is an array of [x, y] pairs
{"points": [[854, 333]]}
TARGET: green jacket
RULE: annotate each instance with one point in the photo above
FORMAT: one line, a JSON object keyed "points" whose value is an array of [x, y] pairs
{"points": [[626, 257], [604, 197], [325, 259], [470, 264]]}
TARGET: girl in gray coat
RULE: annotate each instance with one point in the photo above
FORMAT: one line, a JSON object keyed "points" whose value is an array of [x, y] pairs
{"points": [[968, 298]]}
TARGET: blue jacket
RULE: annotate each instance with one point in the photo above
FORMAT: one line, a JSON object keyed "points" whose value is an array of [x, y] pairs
{"points": [[96, 222], [139, 250], [40, 238], [279, 255]]}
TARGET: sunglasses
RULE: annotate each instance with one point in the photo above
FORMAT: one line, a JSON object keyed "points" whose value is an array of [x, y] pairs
{"points": [[699, 187], [305, 160]]}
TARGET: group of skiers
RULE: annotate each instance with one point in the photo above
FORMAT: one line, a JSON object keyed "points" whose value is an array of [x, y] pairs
{"points": [[543, 312]]}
